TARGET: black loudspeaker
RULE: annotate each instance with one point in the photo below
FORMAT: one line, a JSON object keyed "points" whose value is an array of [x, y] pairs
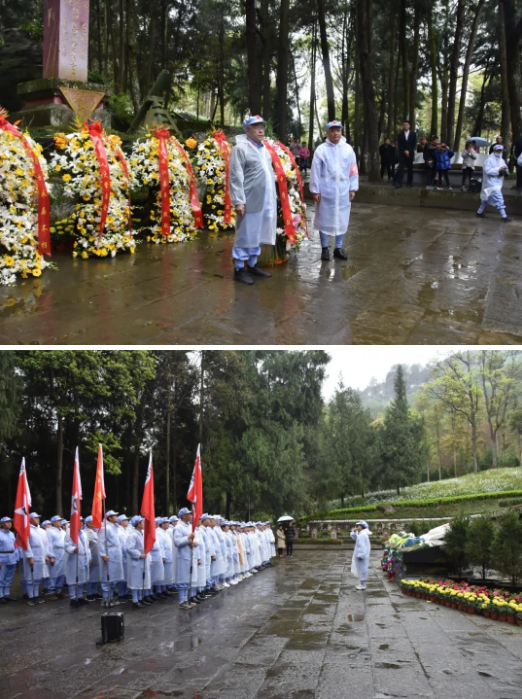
{"points": [[112, 627], [475, 184]]}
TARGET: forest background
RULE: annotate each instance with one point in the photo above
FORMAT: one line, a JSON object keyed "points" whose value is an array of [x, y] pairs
{"points": [[270, 440]]}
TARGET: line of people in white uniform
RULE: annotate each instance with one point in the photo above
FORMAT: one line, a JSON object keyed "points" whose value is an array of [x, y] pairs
{"points": [[195, 565]]}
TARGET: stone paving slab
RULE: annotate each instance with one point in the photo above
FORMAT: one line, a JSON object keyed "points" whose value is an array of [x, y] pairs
{"points": [[412, 277], [299, 630]]}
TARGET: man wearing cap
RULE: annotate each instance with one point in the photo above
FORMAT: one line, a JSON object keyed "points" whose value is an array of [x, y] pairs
{"points": [[157, 555], [35, 559], [173, 521], [45, 525], [8, 559], [334, 179], [76, 564], [184, 543], [56, 553], [493, 173], [253, 194], [91, 535], [110, 556], [168, 579], [138, 563], [361, 553]]}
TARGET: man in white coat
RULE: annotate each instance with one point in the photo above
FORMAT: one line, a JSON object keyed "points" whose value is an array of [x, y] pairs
{"points": [[111, 558], [91, 534], [253, 194], [139, 564], [334, 179], [493, 173], [184, 543], [35, 559], [56, 553], [76, 564]]}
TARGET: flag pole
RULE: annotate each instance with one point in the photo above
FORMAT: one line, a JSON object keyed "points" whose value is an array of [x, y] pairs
{"points": [[107, 563]]}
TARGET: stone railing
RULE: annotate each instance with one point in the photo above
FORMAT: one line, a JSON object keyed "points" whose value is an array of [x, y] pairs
{"points": [[333, 528]]}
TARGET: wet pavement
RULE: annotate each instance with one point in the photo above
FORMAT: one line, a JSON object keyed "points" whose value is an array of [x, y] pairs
{"points": [[297, 631], [414, 276]]}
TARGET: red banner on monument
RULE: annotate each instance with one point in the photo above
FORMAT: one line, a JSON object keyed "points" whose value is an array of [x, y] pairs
{"points": [[225, 152], [96, 134], [44, 231], [163, 136], [283, 192]]}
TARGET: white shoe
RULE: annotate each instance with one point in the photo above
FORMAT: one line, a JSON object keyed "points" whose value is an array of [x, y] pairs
{"points": [[248, 575], [360, 587], [226, 585], [233, 582], [254, 570]]}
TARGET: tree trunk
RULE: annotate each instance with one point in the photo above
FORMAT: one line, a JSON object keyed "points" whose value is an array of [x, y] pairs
{"points": [[444, 105], [136, 476], [59, 466], [312, 93], [344, 72], [167, 465], [403, 32], [513, 34], [282, 70], [364, 29], [454, 71], [330, 97], [414, 65], [474, 446], [477, 131], [221, 77], [266, 57], [147, 84], [132, 61], [201, 395], [254, 94], [299, 124], [357, 110], [391, 71], [434, 78], [122, 81], [494, 449], [465, 75]]}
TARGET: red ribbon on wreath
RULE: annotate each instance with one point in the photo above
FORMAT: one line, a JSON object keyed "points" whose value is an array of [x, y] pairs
{"points": [[96, 134], [225, 152], [163, 136], [123, 163], [283, 192], [299, 180], [194, 199], [44, 231]]}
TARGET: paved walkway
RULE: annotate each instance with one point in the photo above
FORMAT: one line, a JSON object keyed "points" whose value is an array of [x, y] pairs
{"points": [[297, 631], [413, 277]]}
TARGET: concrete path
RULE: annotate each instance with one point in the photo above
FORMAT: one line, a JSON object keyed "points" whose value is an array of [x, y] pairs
{"points": [[413, 277], [297, 631]]}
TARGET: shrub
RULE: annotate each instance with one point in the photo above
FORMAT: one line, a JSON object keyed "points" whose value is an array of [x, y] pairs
{"points": [[418, 528], [455, 543], [508, 546], [479, 544]]}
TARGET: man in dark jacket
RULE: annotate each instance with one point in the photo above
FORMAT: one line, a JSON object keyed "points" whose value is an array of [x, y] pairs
{"points": [[430, 161], [407, 145], [387, 154], [289, 539], [517, 150]]}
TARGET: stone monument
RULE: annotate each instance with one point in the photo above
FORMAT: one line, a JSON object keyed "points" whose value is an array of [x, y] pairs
{"points": [[63, 92]]}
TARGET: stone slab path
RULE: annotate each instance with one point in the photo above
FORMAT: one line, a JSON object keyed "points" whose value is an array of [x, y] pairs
{"points": [[297, 631], [412, 277]]}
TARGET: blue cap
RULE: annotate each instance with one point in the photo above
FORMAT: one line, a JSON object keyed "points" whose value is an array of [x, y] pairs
{"points": [[88, 519], [362, 523], [253, 120], [46, 522], [65, 521], [173, 518], [34, 514], [158, 520], [56, 518], [204, 517], [184, 511], [334, 123], [111, 513], [121, 518], [5, 519], [498, 146]]}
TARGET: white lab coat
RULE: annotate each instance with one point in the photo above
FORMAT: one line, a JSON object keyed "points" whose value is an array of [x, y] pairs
{"points": [[138, 569], [334, 175], [361, 554], [77, 562]]}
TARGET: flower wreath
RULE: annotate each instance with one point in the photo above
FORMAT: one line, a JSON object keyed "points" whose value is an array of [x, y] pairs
{"points": [[211, 167], [95, 174], [24, 205], [159, 161]]}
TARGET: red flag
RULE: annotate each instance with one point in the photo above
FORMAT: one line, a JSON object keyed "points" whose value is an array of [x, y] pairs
{"points": [[195, 491], [99, 492], [76, 498], [147, 508], [22, 507]]}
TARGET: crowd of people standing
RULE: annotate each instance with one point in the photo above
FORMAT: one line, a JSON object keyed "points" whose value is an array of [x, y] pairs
{"points": [[110, 564]]}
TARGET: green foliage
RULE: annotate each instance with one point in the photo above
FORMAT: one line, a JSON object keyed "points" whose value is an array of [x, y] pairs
{"points": [[507, 547], [479, 544], [455, 543], [417, 528], [121, 106], [34, 28]]}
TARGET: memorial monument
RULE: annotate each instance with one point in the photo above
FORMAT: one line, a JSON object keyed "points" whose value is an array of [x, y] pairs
{"points": [[63, 91]]}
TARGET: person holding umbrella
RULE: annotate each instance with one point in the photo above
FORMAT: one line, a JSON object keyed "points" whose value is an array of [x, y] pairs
{"points": [[361, 555]]}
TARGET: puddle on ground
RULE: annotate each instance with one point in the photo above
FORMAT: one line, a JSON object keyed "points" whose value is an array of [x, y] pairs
{"points": [[355, 617], [484, 674], [384, 646], [388, 666]]}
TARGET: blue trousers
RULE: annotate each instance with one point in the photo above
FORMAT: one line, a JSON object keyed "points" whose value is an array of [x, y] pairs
{"points": [[183, 590], [56, 584], [324, 240], [72, 591], [106, 586], [495, 199], [36, 587], [7, 572], [242, 255], [136, 595], [122, 588], [92, 588]]}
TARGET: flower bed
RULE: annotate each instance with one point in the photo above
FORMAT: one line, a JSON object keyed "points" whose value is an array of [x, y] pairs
{"points": [[473, 599], [391, 563]]}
